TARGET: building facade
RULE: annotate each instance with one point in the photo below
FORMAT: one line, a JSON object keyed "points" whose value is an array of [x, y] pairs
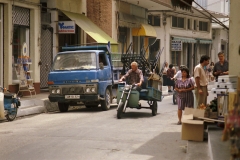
{"points": [[185, 36], [220, 35], [20, 23]]}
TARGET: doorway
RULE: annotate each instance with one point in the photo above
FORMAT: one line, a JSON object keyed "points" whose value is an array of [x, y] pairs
{"points": [[46, 55]]}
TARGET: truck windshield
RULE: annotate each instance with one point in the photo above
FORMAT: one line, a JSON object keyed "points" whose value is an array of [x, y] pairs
{"points": [[75, 61]]}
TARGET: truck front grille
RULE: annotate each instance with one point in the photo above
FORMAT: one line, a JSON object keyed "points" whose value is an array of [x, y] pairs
{"points": [[73, 90]]}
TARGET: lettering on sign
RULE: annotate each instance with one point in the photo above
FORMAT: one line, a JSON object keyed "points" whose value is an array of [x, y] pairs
{"points": [[66, 27], [176, 45]]}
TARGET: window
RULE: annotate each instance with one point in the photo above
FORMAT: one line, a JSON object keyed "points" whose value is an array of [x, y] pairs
{"points": [[177, 22], [75, 61], [20, 36], [203, 26], [202, 3], [154, 20], [102, 59], [195, 25], [189, 24]]}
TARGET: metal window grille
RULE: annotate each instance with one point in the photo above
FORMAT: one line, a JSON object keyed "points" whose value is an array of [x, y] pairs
{"points": [[21, 16]]}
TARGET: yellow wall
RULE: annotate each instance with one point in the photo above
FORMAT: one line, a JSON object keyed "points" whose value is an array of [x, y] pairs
{"points": [[234, 38]]}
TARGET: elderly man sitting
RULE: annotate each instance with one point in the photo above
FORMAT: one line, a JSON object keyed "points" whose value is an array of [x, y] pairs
{"points": [[134, 75]]}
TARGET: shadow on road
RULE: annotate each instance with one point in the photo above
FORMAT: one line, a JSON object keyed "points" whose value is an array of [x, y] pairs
{"points": [[165, 146]]}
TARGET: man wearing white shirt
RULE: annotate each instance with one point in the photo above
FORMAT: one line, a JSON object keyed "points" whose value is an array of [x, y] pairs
{"points": [[201, 81]]}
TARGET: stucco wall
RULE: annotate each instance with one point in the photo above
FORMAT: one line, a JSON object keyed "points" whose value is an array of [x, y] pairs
{"points": [[165, 32], [234, 38], [34, 46]]}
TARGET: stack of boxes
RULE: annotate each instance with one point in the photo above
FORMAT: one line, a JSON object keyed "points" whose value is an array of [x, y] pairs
{"points": [[224, 86]]}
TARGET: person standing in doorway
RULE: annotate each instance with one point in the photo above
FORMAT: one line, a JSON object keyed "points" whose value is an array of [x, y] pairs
{"points": [[165, 74], [221, 67], [184, 87], [170, 74], [201, 81]]}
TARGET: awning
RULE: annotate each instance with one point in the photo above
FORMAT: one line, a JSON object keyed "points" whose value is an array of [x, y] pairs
{"points": [[145, 30], [90, 28], [205, 41], [185, 40]]}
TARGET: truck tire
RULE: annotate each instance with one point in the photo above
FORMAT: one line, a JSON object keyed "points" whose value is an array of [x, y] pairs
{"points": [[63, 107], [105, 104]]}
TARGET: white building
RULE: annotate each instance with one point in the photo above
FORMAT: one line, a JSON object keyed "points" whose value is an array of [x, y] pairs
{"points": [[219, 33]]}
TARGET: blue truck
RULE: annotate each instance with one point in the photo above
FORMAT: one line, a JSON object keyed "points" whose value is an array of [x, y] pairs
{"points": [[82, 74]]}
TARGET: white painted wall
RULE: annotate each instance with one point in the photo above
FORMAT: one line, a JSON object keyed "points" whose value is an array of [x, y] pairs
{"points": [[165, 32], [234, 39]]}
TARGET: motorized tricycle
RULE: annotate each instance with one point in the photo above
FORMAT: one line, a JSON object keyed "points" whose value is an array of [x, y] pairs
{"points": [[9, 103], [128, 97]]}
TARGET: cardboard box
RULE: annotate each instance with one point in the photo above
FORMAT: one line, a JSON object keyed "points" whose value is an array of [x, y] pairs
{"points": [[195, 112], [227, 78], [213, 115], [192, 129]]}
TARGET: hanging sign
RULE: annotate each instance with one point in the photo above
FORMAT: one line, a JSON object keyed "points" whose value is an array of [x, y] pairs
{"points": [[176, 45], [66, 27]]}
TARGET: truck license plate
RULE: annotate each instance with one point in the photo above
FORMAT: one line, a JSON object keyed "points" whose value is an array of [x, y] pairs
{"points": [[72, 96]]}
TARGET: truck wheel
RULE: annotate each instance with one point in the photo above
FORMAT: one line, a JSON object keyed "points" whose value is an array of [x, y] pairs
{"points": [[105, 104], [154, 108], [63, 107], [120, 111]]}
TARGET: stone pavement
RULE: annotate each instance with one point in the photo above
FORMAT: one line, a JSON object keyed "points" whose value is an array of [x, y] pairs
{"points": [[40, 104]]}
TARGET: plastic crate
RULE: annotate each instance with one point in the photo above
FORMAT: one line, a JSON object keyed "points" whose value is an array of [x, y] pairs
{"points": [[154, 94]]}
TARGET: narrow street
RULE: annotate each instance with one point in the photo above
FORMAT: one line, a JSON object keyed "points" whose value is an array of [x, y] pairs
{"points": [[94, 134]]}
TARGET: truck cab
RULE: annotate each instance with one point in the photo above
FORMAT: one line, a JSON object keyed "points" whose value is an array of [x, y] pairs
{"points": [[81, 74]]}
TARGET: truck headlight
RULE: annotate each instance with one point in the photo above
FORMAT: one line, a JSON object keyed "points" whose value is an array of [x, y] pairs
{"points": [[53, 91], [93, 90], [58, 91], [87, 90]]}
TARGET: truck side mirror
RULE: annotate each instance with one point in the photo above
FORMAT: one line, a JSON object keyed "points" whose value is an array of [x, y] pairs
{"points": [[101, 65]]}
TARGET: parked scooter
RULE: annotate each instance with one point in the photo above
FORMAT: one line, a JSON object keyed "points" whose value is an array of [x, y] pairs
{"points": [[9, 103]]}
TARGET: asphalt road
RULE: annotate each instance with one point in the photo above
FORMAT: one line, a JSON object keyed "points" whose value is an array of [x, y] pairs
{"points": [[92, 134]]}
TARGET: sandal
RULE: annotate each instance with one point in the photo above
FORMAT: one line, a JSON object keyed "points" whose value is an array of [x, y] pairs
{"points": [[179, 123]]}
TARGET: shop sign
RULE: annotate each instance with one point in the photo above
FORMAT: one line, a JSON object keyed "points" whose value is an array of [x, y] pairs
{"points": [[176, 45], [66, 27]]}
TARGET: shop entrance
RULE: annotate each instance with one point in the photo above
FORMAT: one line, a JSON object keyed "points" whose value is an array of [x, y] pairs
{"points": [[46, 55]]}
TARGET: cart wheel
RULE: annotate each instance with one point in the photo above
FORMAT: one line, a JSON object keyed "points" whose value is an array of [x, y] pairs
{"points": [[154, 108], [12, 113], [120, 110], [63, 107], [174, 98]]}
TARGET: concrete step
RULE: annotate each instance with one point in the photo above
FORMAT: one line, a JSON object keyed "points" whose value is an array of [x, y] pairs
{"points": [[30, 110], [218, 149], [198, 150]]}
